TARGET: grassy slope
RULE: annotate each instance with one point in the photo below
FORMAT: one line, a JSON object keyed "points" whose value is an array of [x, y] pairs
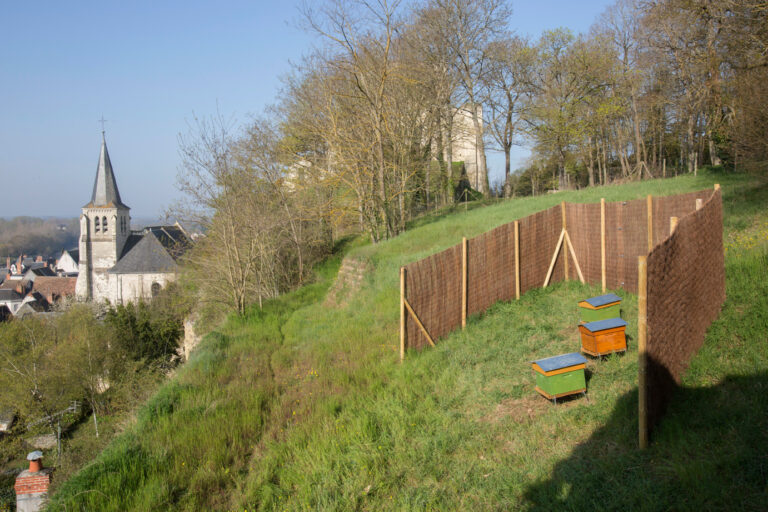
{"points": [[303, 405]]}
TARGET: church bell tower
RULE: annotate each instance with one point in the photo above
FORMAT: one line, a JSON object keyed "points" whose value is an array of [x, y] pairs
{"points": [[105, 225]]}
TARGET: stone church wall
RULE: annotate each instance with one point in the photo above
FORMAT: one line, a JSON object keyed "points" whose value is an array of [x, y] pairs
{"points": [[132, 287]]}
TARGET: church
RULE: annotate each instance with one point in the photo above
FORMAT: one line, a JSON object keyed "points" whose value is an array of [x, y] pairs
{"points": [[117, 264]]}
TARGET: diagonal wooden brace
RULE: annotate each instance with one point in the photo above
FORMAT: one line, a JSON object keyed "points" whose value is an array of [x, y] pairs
{"points": [[418, 322]]}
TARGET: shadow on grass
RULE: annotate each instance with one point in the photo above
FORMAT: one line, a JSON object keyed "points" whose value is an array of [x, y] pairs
{"points": [[709, 452]]}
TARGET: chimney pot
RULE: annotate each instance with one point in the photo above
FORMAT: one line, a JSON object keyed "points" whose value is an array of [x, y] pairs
{"points": [[35, 461]]}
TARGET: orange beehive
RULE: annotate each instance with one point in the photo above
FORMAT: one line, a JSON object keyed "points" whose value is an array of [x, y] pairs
{"points": [[603, 337]]}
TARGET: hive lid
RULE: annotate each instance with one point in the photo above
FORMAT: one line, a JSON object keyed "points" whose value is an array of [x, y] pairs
{"points": [[563, 361], [602, 300], [602, 325]]}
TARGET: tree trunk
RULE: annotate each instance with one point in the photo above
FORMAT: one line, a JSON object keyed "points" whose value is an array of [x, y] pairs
{"points": [[689, 142], [481, 176], [591, 168]]}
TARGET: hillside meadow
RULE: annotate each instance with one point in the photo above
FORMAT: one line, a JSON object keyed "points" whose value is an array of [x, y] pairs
{"points": [[304, 405]]}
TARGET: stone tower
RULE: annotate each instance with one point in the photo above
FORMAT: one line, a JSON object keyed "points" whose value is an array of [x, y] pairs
{"points": [[105, 225]]}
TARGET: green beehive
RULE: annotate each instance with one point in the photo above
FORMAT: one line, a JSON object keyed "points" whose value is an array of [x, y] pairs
{"points": [[602, 307], [560, 375]]}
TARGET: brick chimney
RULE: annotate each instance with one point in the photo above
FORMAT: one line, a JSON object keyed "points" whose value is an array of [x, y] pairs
{"points": [[18, 265], [32, 485]]}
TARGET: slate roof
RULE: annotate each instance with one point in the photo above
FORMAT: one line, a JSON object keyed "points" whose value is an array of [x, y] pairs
{"points": [[173, 238], [32, 306], [563, 361], [43, 271], [6, 295], [148, 255], [131, 242], [105, 191], [602, 300], [602, 325], [73, 253]]}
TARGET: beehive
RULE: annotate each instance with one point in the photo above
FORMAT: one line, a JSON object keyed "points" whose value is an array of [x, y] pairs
{"points": [[601, 307], [560, 375], [603, 337]]}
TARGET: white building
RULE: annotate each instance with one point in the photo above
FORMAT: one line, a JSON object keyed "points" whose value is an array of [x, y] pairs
{"points": [[118, 264]]}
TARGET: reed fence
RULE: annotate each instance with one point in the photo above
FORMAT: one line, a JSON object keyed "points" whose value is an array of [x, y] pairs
{"points": [[605, 243]]}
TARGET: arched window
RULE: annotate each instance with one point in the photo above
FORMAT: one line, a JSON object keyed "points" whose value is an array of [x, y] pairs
{"points": [[96, 226], [104, 224], [155, 289]]}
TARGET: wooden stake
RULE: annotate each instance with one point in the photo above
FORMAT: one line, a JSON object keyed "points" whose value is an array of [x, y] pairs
{"points": [[602, 241], [664, 168], [554, 258], [717, 186], [517, 260], [418, 322], [672, 224], [565, 254], [463, 282], [402, 314], [642, 333], [699, 204], [649, 209], [573, 255]]}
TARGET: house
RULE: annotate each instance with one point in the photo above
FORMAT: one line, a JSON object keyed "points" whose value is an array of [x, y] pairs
{"points": [[11, 299], [116, 263], [68, 262]]}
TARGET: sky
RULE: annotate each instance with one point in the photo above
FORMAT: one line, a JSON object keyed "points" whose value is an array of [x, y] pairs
{"points": [[149, 68]]}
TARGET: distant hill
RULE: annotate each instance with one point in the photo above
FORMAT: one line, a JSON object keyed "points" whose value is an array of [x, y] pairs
{"points": [[33, 235]]}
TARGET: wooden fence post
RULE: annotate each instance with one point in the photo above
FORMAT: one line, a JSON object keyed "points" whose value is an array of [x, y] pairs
{"points": [[649, 207], [517, 260], [664, 168], [642, 334], [565, 253], [672, 224], [717, 186], [402, 314], [699, 204], [464, 282], [602, 241]]}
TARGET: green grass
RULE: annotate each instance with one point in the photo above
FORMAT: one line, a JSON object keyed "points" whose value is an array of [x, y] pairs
{"points": [[304, 406]]}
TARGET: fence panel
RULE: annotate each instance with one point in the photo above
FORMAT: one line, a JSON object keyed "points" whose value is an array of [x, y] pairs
{"points": [[686, 288], [673, 206], [538, 238], [490, 268], [433, 289], [626, 228], [583, 222]]}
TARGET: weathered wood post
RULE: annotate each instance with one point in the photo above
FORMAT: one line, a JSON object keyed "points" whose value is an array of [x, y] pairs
{"points": [[464, 282], [672, 224], [565, 253], [649, 208], [642, 334], [699, 203], [602, 241], [517, 260], [402, 314]]}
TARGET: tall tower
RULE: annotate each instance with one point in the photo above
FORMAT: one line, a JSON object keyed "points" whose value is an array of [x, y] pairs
{"points": [[105, 225]]}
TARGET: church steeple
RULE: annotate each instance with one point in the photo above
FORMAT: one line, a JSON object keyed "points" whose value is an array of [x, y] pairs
{"points": [[105, 191]]}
